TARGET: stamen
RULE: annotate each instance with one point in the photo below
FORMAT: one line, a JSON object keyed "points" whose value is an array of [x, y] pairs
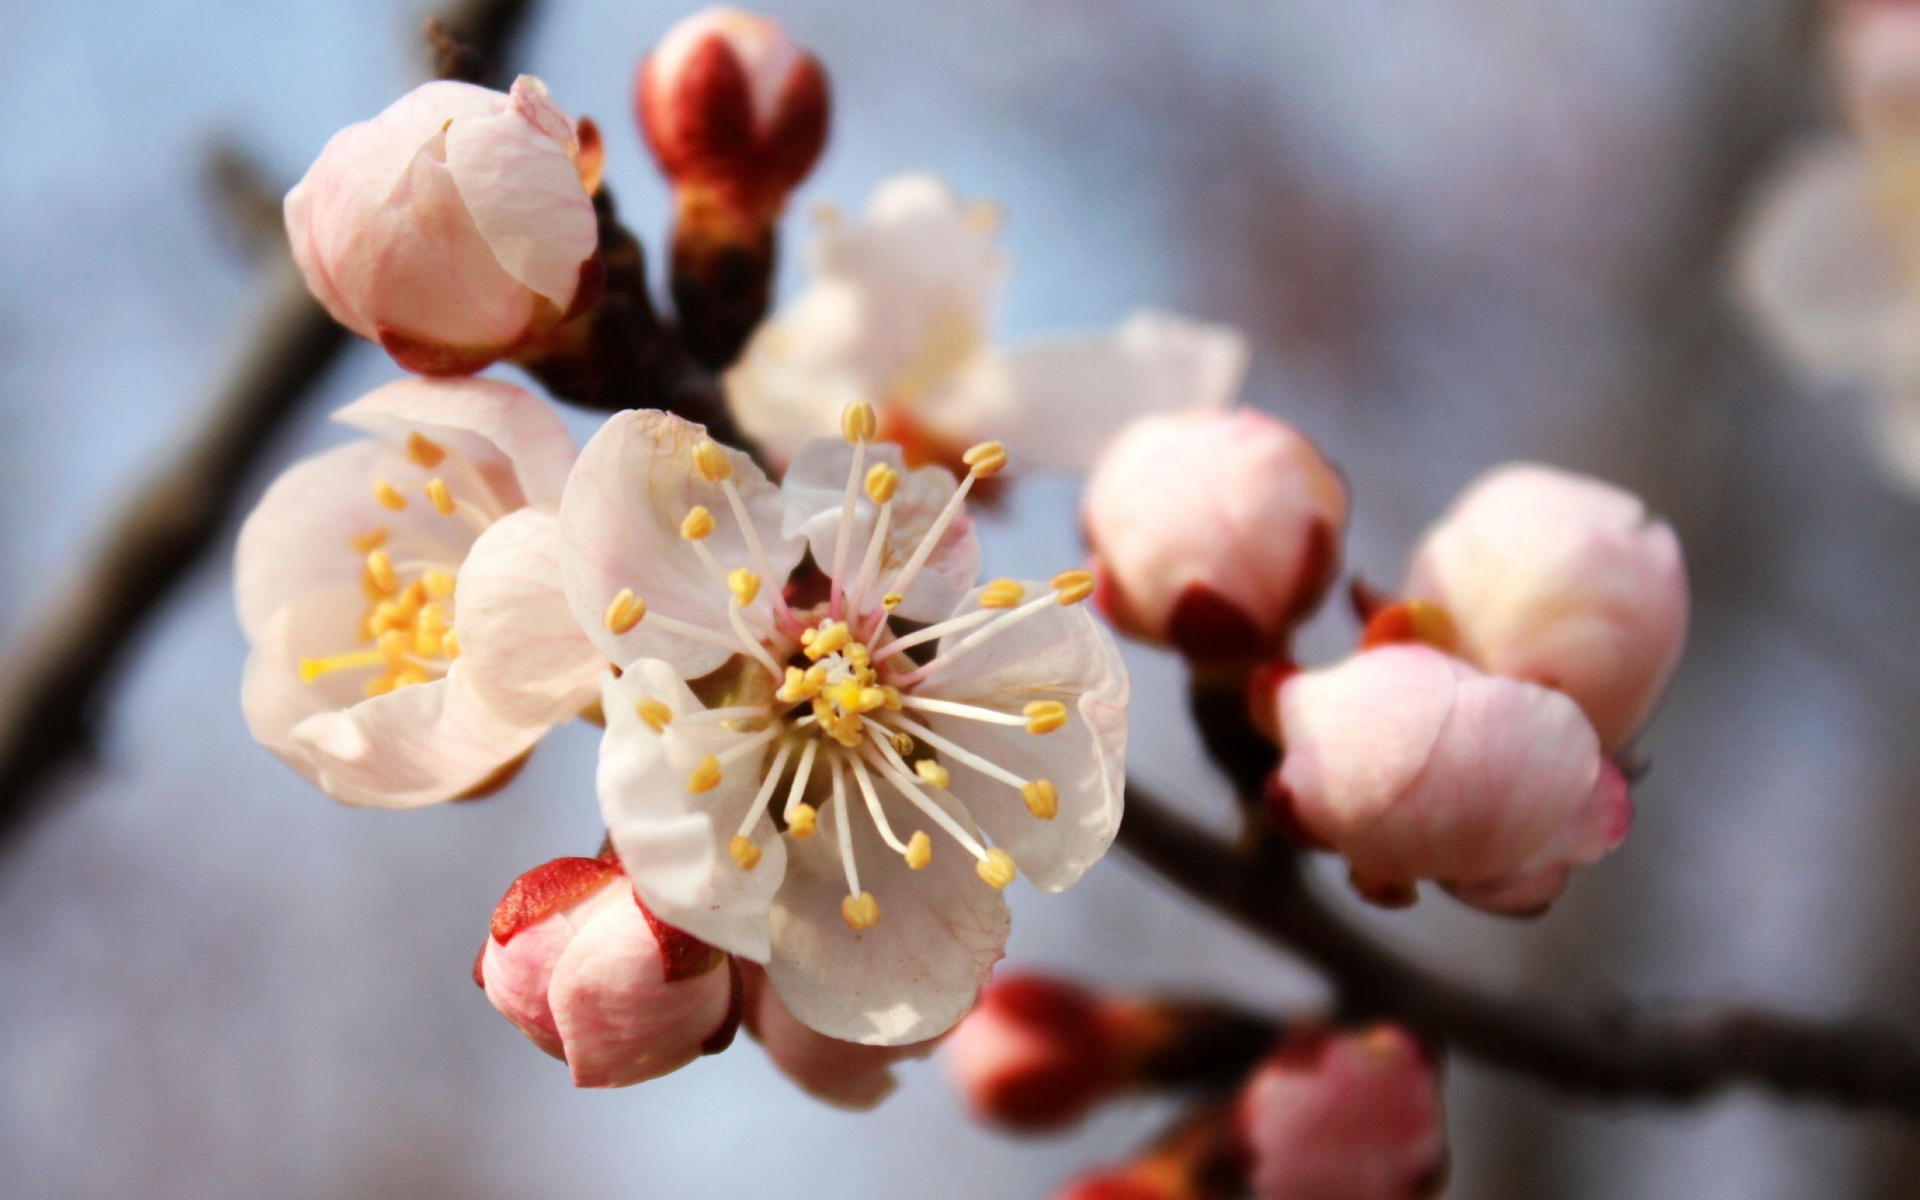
{"points": [[655, 713], [843, 828], [858, 423], [1044, 716], [746, 746], [1002, 593], [624, 612], [895, 771], [985, 459], [380, 571], [1043, 800], [767, 786], [744, 852], [861, 912], [874, 810], [801, 820], [902, 744], [746, 636], [935, 775], [744, 585], [882, 482], [1007, 620], [440, 497], [919, 850], [706, 776], [388, 495], [313, 668], [755, 551], [712, 462], [736, 712], [961, 754], [827, 639], [369, 541], [423, 451], [438, 584], [450, 646], [1072, 586], [876, 545], [932, 633], [953, 708], [891, 601], [799, 814], [928, 541], [996, 868], [698, 523]]}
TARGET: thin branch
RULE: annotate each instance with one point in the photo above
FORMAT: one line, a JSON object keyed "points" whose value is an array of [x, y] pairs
{"points": [[1620, 1055]]}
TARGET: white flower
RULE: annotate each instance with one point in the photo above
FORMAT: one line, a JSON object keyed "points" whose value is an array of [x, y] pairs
{"points": [[792, 770], [402, 597], [897, 314]]}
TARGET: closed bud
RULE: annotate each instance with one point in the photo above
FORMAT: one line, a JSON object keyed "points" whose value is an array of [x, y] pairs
{"points": [[1564, 581], [1877, 58], [454, 228], [844, 1074], [1217, 532], [1346, 1116], [595, 980], [1035, 1054], [1203, 1157]]}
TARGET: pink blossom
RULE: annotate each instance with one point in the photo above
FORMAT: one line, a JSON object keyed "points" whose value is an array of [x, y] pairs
{"points": [[1346, 1116], [1413, 765], [1035, 1053], [453, 228], [1214, 531], [593, 979], [843, 1074], [1564, 581]]}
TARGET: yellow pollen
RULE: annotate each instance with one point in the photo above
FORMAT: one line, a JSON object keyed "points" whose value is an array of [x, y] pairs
{"points": [[744, 585], [919, 850], [861, 912], [388, 495], [438, 584], [826, 640], [858, 422], [1073, 586], [882, 482], [369, 541], [450, 646], [424, 451], [698, 523], [744, 852], [800, 821], [985, 459], [1002, 593], [1044, 716], [996, 868], [933, 774], [1043, 800], [440, 497], [656, 714], [624, 612], [891, 601], [705, 777], [712, 462], [380, 571]]}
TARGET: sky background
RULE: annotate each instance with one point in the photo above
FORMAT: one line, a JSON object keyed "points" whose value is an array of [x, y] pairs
{"points": [[1457, 231]]}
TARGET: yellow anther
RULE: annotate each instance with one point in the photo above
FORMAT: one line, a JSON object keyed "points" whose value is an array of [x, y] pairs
{"points": [[859, 657], [919, 850], [861, 912], [388, 495], [440, 497], [744, 585], [655, 713], [394, 646], [409, 675], [1043, 799], [624, 612], [386, 615], [450, 646], [698, 523], [858, 422], [893, 698], [985, 459], [705, 777], [1073, 586], [933, 774], [799, 685], [891, 601], [826, 640], [424, 451], [882, 482], [744, 852], [712, 462], [413, 597], [1044, 716], [800, 822], [902, 743], [380, 571], [870, 699], [1002, 593], [438, 584], [427, 644], [996, 868], [368, 542]]}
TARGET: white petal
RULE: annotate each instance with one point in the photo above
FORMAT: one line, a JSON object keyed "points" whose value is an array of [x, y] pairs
{"points": [[631, 489], [815, 492], [526, 656], [800, 371], [512, 437], [1064, 654], [274, 698], [910, 977], [673, 844]]}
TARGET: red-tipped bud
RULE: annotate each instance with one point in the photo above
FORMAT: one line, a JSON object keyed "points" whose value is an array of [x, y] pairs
{"points": [[1201, 1158], [1035, 1054]]}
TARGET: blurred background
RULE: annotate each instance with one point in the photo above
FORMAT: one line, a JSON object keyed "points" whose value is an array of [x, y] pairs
{"points": [[1458, 231]]}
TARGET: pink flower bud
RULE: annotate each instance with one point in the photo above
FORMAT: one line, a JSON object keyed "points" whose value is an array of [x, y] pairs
{"points": [[1877, 55], [453, 228], [1413, 765], [844, 1074], [1035, 1054], [1564, 581], [585, 971], [731, 106], [1346, 1116], [1214, 531]]}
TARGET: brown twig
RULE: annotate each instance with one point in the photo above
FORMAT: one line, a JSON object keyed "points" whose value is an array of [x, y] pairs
{"points": [[1621, 1055]]}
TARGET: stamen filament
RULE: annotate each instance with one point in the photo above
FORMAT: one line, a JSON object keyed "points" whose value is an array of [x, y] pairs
{"points": [[737, 712], [768, 786], [905, 575], [755, 550], [959, 753], [843, 829], [973, 640], [747, 638], [741, 749], [872, 798], [953, 708], [920, 800], [795, 794], [313, 668], [932, 633], [870, 561], [843, 539]]}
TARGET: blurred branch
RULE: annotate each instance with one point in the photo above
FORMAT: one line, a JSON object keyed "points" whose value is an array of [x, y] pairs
{"points": [[61, 662], [1619, 1055]]}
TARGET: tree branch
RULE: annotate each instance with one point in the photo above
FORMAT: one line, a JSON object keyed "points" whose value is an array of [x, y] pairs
{"points": [[1620, 1055]]}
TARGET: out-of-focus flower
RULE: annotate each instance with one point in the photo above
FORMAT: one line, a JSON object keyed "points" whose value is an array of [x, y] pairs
{"points": [[791, 775], [1564, 581], [1346, 1116], [1214, 531], [402, 596], [897, 314], [1203, 1157], [1413, 765], [1035, 1054], [454, 228], [844, 1074], [588, 974]]}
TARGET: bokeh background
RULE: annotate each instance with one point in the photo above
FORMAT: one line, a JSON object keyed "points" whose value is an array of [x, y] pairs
{"points": [[1458, 231]]}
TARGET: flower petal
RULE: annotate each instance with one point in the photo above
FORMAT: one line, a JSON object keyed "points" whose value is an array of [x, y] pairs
{"points": [[274, 698], [673, 844], [525, 654], [844, 1074], [515, 440], [797, 373]]}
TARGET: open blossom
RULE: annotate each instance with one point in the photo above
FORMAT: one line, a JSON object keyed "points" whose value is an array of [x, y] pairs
{"points": [[454, 228], [844, 1074], [794, 774], [1346, 1116], [1565, 581], [1214, 531], [595, 980], [897, 314], [402, 596], [1413, 766]]}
